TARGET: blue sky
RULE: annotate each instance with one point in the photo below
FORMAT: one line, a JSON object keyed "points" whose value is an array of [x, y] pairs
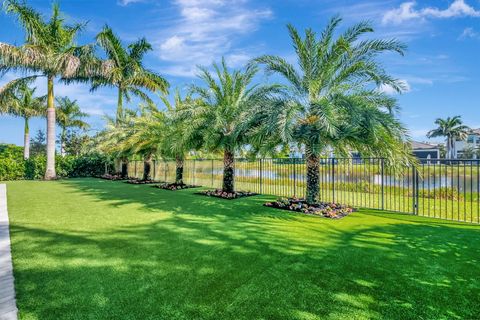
{"points": [[441, 68]]}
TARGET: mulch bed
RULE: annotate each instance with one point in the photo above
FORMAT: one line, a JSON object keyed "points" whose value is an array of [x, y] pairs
{"points": [[138, 181], [113, 177], [218, 193], [322, 209], [174, 186]]}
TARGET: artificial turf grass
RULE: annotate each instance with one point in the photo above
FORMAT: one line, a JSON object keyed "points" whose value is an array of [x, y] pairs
{"points": [[96, 249]]}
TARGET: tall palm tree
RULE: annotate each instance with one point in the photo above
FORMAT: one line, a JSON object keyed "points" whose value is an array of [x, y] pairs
{"points": [[49, 51], [224, 112], [332, 98], [69, 116], [20, 101], [126, 71], [453, 129]]}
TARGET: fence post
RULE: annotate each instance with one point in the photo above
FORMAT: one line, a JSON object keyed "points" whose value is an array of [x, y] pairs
{"points": [[333, 180], [154, 169], [415, 190], [383, 182], [165, 168], [294, 177], [212, 173], [261, 175], [193, 173], [135, 168]]}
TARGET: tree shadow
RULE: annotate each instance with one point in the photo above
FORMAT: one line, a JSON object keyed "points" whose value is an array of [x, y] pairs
{"points": [[210, 258]]}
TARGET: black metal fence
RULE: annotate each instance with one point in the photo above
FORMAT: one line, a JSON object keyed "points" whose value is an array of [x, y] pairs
{"points": [[438, 188]]}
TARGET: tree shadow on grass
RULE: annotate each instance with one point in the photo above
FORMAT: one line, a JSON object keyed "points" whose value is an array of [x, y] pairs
{"points": [[217, 259]]}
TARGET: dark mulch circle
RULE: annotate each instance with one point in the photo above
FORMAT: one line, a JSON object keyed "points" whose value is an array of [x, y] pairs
{"points": [[113, 177], [323, 209], [174, 186], [219, 193], [138, 181]]}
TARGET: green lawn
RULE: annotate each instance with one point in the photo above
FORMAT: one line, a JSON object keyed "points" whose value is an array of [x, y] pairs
{"points": [[94, 249]]}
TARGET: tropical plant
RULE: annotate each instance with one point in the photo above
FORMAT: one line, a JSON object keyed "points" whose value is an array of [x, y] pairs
{"points": [[453, 129], [113, 140], [20, 101], [178, 140], [126, 71], [69, 116], [149, 132], [49, 51], [333, 99], [225, 112], [78, 143], [37, 143]]}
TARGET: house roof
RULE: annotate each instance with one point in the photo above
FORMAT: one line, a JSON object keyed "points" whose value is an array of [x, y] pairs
{"points": [[422, 145], [475, 131]]}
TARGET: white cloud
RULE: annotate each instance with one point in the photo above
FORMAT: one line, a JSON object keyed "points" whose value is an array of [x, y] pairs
{"points": [[127, 2], [206, 30], [389, 90], [407, 11], [469, 33]]}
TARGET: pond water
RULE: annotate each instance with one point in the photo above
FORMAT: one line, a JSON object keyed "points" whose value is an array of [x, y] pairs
{"points": [[461, 183]]}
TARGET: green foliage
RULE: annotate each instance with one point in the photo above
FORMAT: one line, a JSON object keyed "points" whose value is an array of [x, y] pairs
{"points": [[453, 129], [37, 144], [14, 167]]}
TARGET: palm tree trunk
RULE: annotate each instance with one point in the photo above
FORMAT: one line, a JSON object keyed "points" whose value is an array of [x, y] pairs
{"points": [[124, 169], [26, 141], [62, 143], [50, 171], [178, 170], [452, 148], [313, 176], [228, 171], [119, 105], [147, 168]]}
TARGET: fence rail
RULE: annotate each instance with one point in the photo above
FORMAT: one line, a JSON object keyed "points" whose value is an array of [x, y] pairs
{"points": [[438, 188]]}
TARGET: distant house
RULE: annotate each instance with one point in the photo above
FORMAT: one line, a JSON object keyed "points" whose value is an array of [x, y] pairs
{"points": [[425, 151], [472, 142]]}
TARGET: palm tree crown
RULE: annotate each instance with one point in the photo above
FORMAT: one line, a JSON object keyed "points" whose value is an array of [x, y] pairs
{"points": [[20, 101], [225, 111], [69, 116], [50, 51], [333, 99], [126, 71], [453, 129]]}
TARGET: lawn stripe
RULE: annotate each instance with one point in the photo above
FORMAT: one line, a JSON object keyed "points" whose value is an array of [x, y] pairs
{"points": [[8, 306]]}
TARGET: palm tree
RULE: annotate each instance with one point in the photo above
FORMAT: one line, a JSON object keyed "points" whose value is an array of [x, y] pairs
{"points": [[146, 137], [69, 116], [453, 129], [224, 112], [114, 139], [50, 51], [332, 98], [126, 71], [177, 139], [20, 101]]}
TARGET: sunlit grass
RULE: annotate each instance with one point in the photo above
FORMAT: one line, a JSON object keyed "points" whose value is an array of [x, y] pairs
{"points": [[94, 249]]}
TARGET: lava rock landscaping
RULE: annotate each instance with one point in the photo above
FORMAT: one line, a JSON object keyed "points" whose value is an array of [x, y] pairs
{"points": [[323, 209], [219, 193], [174, 186], [113, 177], [138, 181]]}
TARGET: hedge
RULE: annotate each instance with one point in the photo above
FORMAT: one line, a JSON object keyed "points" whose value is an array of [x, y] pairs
{"points": [[14, 167]]}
